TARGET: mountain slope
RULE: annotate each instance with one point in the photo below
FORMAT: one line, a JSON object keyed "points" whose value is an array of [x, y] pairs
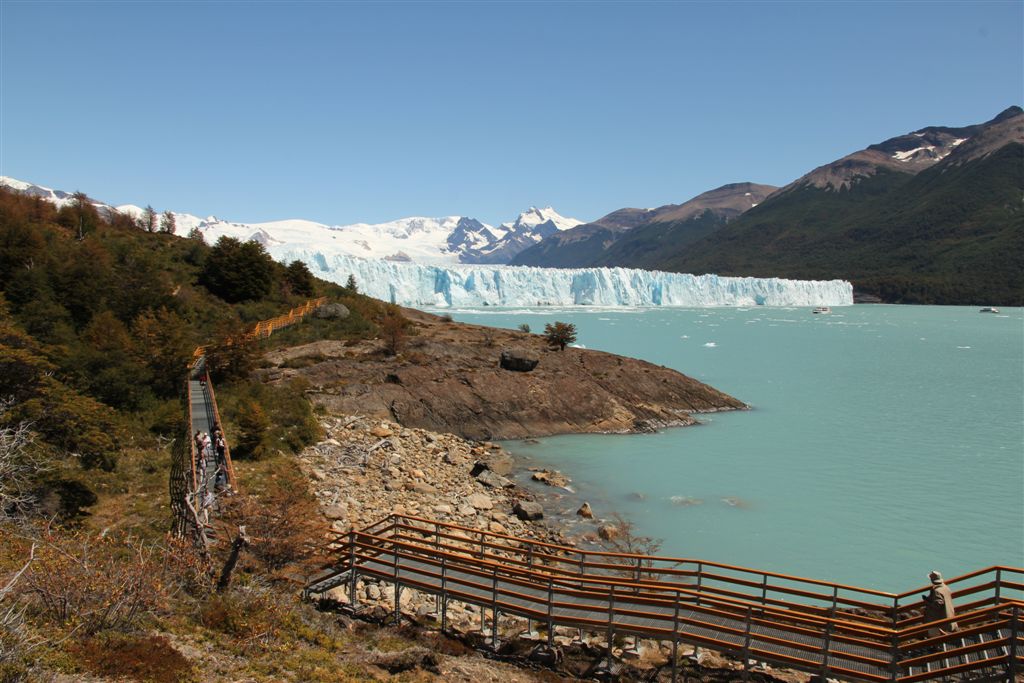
{"points": [[596, 243], [945, 228]]}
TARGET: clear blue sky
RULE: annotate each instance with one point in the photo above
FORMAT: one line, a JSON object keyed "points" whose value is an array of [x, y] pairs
{"points": [[345, 112]]}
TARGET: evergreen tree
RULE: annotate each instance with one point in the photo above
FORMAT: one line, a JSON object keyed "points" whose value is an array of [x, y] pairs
{"points": [[350, 284], [299, 279], [238, 271], [167, 223]]}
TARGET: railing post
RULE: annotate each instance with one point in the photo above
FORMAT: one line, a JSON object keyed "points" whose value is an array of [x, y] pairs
{"points": [[894, 658], [1011, 665], [481, 545], [437, 538], [835, 601], [398, 589], [551, 608], [764, 588], [746, 643], [895, 611], [700, 580], [675, 640], [494, 610], [352, 597], [825, 650], [444, 595], [999, 581], [529, 555], [611, 624]]}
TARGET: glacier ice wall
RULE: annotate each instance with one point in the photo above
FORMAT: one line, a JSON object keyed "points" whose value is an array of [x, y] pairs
{"points": [[411, 284]]}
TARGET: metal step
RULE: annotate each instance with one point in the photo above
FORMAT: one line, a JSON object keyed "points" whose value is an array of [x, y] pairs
{"points": [[327, 580]]}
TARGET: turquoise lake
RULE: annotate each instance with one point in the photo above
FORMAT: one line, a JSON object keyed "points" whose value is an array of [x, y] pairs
{"points": [[883, 441]]}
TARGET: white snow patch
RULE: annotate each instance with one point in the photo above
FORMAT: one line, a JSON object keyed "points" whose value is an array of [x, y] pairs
{"points": [[908, 155]]}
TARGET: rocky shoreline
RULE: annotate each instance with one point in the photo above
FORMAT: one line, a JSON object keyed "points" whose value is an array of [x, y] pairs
{"points": [[366, 469], [487, 384]]}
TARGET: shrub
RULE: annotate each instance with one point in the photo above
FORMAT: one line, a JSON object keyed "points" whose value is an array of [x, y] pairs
{"points": [[393, 330], [283, 520], [525, 327], [140, 658], [252, 615], [560, 334], [93, 583]]}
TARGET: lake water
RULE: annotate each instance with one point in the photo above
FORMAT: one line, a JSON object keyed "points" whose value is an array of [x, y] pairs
{"points": [[883, 441]]}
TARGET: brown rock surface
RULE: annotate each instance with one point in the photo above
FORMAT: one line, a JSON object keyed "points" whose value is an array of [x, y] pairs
{"points": [[448, 379]]}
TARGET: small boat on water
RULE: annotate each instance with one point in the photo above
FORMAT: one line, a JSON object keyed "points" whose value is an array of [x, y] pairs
{"points": [[822, 309], [989, 309]]}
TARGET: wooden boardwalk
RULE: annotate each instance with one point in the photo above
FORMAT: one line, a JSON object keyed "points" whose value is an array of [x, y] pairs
{"points": [[197, 477], [733, 610]]}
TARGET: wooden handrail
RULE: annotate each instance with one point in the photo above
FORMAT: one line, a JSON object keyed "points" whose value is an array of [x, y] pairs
{"points": [[674, 560], [815, 639]]}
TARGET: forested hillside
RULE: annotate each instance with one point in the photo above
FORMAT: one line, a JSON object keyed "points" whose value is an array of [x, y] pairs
{"points": [[98, 320], [952, 234]]}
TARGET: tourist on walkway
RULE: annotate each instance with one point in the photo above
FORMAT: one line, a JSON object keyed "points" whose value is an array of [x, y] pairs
{"points": [[938, 605]]}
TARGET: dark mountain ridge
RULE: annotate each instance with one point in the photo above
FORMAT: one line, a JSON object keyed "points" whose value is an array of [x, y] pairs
{"points": [[938, 223], [594, 243]]}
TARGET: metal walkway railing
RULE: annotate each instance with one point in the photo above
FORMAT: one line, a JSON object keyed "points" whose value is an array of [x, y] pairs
{"points": [[833, 630]]}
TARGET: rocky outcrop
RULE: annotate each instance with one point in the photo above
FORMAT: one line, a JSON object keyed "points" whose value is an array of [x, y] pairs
{"points": [[446, 380], [519, 360], [331, 311], [528, 511]]}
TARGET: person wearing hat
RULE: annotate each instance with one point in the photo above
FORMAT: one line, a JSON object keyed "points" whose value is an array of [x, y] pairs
{"points": [[938, 605]]}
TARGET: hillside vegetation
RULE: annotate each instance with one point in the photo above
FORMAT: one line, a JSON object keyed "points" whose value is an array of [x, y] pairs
{"points": [[952, 234], [98, 319]]}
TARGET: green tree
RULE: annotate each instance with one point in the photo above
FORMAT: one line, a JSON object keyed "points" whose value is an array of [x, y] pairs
{"points": [[109, 366], [525, 327], [560, 334], [350, 284], [164, 341], [299, 279], [252, 428], [238, 271], [167, 223]]}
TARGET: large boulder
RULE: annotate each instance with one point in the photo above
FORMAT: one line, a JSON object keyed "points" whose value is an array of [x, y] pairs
{"points": [[492, 479], [480, 501], [528, 511], [519, 360], [332, 311]]}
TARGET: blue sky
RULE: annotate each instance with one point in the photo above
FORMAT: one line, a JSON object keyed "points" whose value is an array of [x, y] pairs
{"points": [[346, 112]]}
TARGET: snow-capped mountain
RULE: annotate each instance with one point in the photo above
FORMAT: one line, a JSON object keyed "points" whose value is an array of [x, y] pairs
{"points": [[444, 240]]}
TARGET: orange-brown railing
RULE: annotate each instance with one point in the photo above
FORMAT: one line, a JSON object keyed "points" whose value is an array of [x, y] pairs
{"points": [[197, 370], [831, 629]]}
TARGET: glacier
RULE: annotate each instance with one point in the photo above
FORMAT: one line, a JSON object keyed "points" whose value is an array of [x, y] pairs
{"points": [[462, 286]]}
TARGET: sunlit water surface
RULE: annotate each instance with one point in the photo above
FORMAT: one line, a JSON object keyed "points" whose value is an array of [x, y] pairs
{"points": [[883, 441]]}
